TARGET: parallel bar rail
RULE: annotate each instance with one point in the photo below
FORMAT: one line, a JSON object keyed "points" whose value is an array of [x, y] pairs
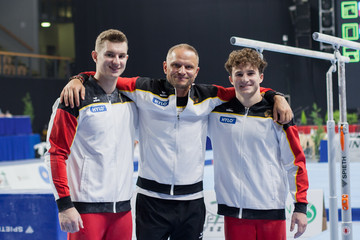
{"points": [[335, 41], [243, 42]]}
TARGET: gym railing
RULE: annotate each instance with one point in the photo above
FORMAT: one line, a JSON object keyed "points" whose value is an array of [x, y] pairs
{"points": [[34, 65]]}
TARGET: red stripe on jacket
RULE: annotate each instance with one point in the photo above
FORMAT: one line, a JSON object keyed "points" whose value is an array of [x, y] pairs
{"points": [[61, 138], [301, 178]]}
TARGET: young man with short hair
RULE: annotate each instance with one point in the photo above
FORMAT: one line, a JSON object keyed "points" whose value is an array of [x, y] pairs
{"points": [[255, 158], [91, 151]]}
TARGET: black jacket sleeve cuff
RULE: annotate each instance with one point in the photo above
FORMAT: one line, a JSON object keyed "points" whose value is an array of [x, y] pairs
{"points": [[301, 207], [64, 203], [84, 77], [269, 96]]}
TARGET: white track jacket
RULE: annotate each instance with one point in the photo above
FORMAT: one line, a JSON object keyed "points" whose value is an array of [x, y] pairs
{"points": [[256, 162], [90, 154]]}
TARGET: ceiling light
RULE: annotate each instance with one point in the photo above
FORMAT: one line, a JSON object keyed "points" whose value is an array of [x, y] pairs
{"points": [[45, 24]]}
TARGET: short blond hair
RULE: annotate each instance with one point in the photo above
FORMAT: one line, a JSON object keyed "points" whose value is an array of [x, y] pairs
{"points": [[183, 45], [111, 35], [243, 57]]}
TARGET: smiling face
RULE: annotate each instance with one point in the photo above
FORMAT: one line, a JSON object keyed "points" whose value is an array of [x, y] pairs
{"points": [[246, 79], [110, 59], [181, 68], [246, 68]]}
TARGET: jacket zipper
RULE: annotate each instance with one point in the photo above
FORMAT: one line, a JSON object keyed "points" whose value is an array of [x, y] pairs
{"points": [[176, 153], [176, 126], [109, 99], [241, 140], [177, 123]]}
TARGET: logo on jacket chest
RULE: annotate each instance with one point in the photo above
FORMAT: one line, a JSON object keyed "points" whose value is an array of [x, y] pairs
{"points": [[229, 120], [96, 99], [163, 94], [99, 108], [160, 102]]}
